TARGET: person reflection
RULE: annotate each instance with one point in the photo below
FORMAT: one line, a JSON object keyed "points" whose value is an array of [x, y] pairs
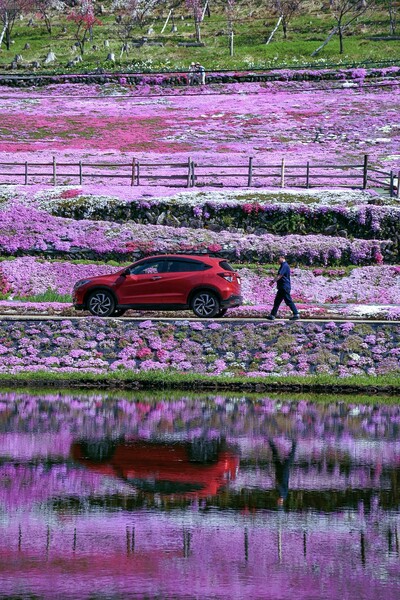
{"points": [[282, 469]]}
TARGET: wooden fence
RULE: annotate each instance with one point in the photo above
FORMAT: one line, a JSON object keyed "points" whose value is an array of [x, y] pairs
{"points": [[192, 173]]}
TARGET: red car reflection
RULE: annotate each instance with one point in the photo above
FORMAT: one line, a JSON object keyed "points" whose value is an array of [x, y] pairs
{"points": [[197, 469]]}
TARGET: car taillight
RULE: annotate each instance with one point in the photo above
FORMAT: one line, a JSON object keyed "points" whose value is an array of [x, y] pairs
{"points": [[227, 276]]}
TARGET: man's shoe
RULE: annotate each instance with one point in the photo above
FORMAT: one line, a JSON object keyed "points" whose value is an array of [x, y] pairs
{"points": [[294, 317], [271, 318]]}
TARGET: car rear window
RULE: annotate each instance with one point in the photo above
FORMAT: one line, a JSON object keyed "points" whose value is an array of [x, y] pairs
{"points": [[226, 266], [183, 266]]}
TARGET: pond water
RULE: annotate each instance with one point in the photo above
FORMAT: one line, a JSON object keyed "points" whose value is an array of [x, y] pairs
{"points": [[111, 496]]}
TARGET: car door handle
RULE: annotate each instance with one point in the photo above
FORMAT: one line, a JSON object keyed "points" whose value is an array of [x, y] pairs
{"points": [[156, 277]]}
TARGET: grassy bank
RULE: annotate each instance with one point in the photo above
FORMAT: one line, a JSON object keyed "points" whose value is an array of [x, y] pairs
{"points": [[162, 395], [318, 384], [305, 33]]}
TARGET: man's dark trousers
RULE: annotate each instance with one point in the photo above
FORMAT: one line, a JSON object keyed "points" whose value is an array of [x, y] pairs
{"points": [[283, 295]]}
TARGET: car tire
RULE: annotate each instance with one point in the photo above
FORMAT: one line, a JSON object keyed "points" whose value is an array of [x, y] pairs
{"points": [[101, 303], [205, 304], [98, 451], [119, 312], [204, 451], [221, 313]]}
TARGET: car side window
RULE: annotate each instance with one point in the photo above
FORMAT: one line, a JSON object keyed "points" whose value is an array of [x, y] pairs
{"points": [[148, 268], [185, 266]]}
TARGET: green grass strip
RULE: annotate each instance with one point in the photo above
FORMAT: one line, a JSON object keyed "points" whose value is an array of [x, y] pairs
{"points": [[169, 380]]}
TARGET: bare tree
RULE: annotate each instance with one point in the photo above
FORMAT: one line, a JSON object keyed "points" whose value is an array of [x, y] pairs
{"points": [[392, 6], [345, 13], [133, 12], [129, 15], [230, 8], [196, 8], [10, 10], [285, 11], [46, 9]]}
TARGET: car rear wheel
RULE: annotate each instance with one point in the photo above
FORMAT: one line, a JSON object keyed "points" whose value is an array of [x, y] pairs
{"points": [[101, 303], [205, 305], [118, 312], [98, 450]]}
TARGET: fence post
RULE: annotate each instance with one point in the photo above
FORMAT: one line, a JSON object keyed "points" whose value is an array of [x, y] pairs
{"points": [[54, 171], [133, 171], [398, 184], [80, 173], [26, 173], [365, 172], [283, 173], [391, 185], [189, 173], [308, 175], [193, 177], [250, 175], [137, 172]]}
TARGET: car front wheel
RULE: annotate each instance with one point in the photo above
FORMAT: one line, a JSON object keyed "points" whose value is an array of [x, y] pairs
{"points": [[101, 303], [205, 305]]}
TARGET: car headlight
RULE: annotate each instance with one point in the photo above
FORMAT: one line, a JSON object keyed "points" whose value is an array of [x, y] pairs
{"points": [[81, 283]]}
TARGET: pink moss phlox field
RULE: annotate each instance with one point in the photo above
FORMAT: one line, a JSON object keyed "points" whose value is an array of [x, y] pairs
{"points": [[249, 349], [26, 230], [266, 122], [29, 276]]}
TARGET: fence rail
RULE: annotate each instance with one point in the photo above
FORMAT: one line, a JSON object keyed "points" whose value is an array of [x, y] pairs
{"points": [[197, 174]]}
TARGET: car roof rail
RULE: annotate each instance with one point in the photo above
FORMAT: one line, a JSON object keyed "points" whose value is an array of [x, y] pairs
{"points": [[190, 253]]}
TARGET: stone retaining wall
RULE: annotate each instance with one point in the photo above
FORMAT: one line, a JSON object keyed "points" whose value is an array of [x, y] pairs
{"points": [[208, 347], [357, 75]]}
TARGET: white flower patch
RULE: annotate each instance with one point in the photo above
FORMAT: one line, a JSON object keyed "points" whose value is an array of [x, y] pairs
{"points": [[367, 310], [9, 193], [50, 199]]}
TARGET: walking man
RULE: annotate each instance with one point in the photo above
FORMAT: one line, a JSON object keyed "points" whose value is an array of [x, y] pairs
{"points": [[282, 281], [282, 470]]}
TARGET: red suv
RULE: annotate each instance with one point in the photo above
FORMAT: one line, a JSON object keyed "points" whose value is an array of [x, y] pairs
{"points": [[197, 468], [206, 284]]}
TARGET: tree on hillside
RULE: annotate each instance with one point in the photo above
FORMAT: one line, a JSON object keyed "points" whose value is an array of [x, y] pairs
{"points": [[133, 12], [84, 19], [285, 10], [196, 8], [46, 9], [130, 14], [393, 7], [345, 13], [10, 10], [230, 8]]}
